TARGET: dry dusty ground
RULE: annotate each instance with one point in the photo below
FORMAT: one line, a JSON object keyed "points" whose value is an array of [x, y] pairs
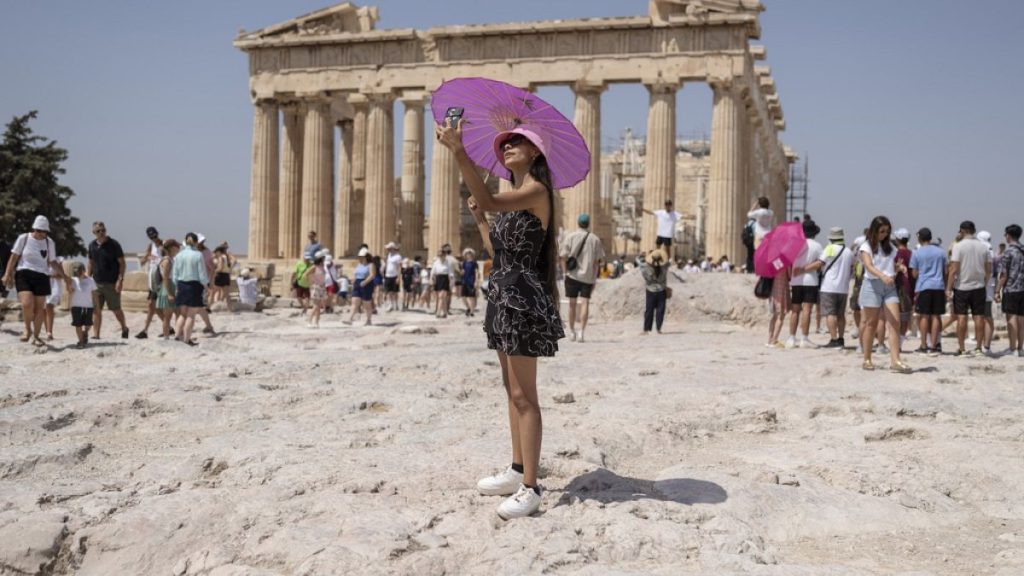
{"points": [[275, 449]]}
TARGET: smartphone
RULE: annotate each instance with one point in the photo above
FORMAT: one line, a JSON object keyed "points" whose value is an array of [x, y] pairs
{"points": [[453, 115]]}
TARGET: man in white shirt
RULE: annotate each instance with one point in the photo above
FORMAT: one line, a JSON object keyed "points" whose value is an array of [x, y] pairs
{"points": [[837, 261], [804, 287], [969, 272], [667, 219], [392, 269]]}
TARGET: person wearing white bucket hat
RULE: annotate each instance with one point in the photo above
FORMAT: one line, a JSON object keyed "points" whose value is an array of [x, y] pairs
{"points": [[33, 258]]}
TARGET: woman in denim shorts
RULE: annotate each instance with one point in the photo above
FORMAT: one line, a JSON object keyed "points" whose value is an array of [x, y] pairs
{"points": [[878, 294]]}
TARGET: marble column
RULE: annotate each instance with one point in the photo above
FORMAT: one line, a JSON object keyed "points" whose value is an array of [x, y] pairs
{"points": [[723, 235], [660, 159], [360, 108], [411, 237], [379, 219], [445, 202], [345, 241], [585, 197], [318, 173], [290, 224], [263, 202]]}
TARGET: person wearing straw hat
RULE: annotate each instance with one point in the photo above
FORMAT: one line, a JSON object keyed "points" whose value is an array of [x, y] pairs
{"points": [[522, 321], [837, 264], [33, 258], [655, 273]]}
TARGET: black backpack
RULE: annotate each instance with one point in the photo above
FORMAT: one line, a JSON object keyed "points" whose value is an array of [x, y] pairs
{"points": [[748, 234]]}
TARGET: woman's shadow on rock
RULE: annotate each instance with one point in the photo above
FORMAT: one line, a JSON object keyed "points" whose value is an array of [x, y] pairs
{"points": [[606, 486]]}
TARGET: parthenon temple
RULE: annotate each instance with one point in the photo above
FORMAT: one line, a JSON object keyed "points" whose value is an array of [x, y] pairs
{"points": [[334, 70]]}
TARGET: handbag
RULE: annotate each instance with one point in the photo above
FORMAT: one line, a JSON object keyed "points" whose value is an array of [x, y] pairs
{"points": [[668, 292], [763, 288], [570, 262]]}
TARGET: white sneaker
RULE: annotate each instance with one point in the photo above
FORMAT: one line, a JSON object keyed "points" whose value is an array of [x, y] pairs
{"points": [[579, 338], [855, 334], [860, 348], [501, 484], [790, 342], [806, 343], [520, 505], [883, 349], [572, 335]]}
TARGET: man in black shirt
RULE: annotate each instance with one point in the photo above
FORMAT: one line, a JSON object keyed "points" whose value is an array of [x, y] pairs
{"points": [[106, 266]]}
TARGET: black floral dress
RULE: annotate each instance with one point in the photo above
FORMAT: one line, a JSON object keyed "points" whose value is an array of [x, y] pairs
{"points": [[521, 318]]}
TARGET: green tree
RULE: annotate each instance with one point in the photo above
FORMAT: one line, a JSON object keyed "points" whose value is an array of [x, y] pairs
{"points": [[30, 166]]}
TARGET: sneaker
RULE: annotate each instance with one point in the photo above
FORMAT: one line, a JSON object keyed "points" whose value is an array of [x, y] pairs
{"points": [[840, 343], [208, 330], [520, 505], [883, 349], [579, 338], [978, 353], [806, 343], [962, 353], [124, 333], [572, 335], [936, 351], [855, 334], [860, 349], [1020, 353], [833, 343], [501, 484], [791, 342], [142, 335]]}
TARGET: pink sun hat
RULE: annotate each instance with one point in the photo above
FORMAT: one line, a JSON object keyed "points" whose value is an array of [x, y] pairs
{"points": [[530, 135]]}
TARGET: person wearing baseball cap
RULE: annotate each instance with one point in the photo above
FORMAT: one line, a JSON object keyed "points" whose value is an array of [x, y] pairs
{"points": [[904, 284], [150, 262], [582, 256], [804, 287]]}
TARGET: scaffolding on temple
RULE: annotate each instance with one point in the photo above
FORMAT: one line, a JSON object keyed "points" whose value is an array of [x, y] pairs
{"points": [[797, 197]]}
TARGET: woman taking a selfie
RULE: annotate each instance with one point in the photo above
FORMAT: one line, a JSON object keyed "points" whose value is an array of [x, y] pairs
{"points": [[522, 321]]}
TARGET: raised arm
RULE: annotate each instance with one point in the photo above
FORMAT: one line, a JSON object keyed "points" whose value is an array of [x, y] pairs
{"points": [[532, 195]]}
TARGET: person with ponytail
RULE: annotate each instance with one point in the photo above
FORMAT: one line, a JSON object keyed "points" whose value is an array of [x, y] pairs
{"points": [[522, 321]]}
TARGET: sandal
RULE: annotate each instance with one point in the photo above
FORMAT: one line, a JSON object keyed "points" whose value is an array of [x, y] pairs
{"points": [[25, 336], [900, 367], [868, 365], [38, 343]]}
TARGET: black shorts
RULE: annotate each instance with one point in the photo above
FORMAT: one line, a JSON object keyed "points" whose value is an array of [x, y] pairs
{"points": [[442, 283], [189, 294], [81, 316], [468, 291], [803, 295], [969, 301], [407, 285], [221, 279], [1013, 304], [931, 302], [576, 289], [31, 281], [391, 284], [663, 241]]}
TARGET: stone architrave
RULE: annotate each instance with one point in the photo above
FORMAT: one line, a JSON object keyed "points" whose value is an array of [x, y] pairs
{"points": [[290, 214], [659, 172], [379, 220], [263, 202], [723, 233], [360, 111], [318, 173], [411, 238], [444, 200], [345, 242], [585, 197]]}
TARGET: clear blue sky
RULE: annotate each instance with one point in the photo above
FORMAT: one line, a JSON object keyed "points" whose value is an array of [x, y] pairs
{"points": [[909, 108]]}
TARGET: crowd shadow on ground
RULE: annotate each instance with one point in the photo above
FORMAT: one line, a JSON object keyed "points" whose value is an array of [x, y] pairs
{"points": [[605, 486]]}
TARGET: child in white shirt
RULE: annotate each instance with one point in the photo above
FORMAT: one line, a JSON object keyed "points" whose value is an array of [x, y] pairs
{"points": [[82, 288]]}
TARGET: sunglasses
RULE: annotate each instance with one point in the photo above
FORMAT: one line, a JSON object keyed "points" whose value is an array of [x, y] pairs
{"points": [[40, 231], [513, 141], [99, 231]]}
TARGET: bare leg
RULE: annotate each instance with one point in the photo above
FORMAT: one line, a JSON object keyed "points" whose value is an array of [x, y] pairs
{"points": [[572, 316], [979, 331], [39, 314], [833, 326], [513, 415], [584, 313], [119, 314], [961, 330], [28, 312], [923, 325], [935, 326], [523, 388], [805, 319], [1011, 329], [794, 319], [49, 312], [892, 318], [867, 333]]}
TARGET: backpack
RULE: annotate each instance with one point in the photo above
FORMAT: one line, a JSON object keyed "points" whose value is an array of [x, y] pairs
{"points": [[748, 234]]}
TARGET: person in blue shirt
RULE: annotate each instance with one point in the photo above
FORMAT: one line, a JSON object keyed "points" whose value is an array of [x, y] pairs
{"points": [[928, 269]]}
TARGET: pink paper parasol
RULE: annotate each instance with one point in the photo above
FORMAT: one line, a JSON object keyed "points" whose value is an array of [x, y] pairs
{"points": [[492, 107], [779, 249]]}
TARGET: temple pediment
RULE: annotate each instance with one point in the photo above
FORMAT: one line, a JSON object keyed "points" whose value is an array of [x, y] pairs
{"points": [[339, 19]]}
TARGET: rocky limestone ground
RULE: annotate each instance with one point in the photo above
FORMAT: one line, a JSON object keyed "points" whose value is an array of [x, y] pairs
{"points": [[276, 449]]}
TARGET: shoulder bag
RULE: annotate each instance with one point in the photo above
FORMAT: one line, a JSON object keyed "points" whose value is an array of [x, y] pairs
{"points": [[571, 263]]}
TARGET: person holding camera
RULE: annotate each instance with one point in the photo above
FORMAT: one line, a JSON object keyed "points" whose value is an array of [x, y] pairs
{"points": [[582, 255]]}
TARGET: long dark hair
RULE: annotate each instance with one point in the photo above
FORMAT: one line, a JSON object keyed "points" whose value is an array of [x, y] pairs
{"points": [[886, 243], [549, 251]]}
